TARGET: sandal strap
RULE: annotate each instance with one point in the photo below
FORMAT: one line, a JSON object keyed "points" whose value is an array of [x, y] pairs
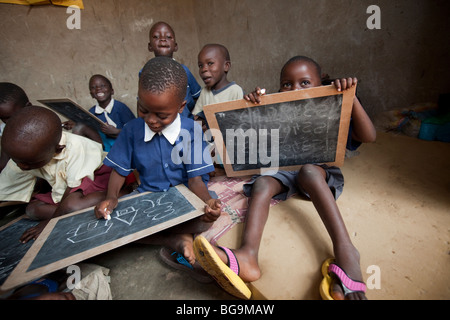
{"points": [[232, 261], [351, 285], [182, 260]]}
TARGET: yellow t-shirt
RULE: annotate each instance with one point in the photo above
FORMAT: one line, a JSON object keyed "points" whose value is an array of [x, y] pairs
{"points": [[79, 159]]}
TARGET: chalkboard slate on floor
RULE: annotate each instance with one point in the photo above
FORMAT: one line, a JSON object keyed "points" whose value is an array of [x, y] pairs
{"points": [[285, 131], [11, 249], [72, 111], [75, 237]]}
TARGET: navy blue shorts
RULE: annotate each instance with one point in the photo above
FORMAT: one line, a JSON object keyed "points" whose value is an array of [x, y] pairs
{"points": [[335, 181]]}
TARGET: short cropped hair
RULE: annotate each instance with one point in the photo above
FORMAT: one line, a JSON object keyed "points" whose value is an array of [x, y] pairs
{"points": [[163, 73], [305, 59], [102, 77], [33, 125], [10, 92], [222, 48]]}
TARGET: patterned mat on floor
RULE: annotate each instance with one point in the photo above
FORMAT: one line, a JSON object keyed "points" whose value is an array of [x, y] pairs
{"points": [[234, 204]]}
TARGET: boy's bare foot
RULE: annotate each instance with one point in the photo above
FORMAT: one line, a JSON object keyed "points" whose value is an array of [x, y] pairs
{"points": [[184, 244], [248, 264]]}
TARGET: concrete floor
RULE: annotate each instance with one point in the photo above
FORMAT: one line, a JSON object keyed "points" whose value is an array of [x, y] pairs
{"points": [[399, 222], [138, 273]]}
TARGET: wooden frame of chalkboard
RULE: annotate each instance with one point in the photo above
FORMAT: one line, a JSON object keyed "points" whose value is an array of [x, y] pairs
{"points": [[73, 111], [285, 131], [75, 237]]}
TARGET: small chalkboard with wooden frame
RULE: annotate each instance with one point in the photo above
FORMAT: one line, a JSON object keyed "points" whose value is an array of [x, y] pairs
{"points": [[73, 111], [285, 131], [72, 238]]}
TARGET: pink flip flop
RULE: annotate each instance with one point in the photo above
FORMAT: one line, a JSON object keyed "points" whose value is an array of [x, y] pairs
{"points": [[348, 285]]}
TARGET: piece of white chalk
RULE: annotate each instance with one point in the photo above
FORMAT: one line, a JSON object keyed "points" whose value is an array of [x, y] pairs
{"points": [[108, 217]]}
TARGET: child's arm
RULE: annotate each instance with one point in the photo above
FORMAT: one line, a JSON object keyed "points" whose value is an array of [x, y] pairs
{"points": [[363, 128], [213, 206], [34, 232], [110, 130], [104, 208]]}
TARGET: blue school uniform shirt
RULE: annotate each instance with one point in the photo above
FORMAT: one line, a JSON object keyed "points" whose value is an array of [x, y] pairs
{"points": [[192, 93], [163, 160], [193, 90], [119, 113]]}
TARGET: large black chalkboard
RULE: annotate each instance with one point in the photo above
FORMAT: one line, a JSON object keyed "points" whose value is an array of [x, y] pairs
{"points": [[285, 131], [72, 111], [11, 249], [75, 237]]}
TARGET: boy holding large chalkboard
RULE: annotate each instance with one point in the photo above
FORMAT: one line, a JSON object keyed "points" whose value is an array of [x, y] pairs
{"points": [[321, 183], [166, 150]]}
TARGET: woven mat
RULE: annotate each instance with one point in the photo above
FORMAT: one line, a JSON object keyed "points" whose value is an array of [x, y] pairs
{"points": [[234, 204]]}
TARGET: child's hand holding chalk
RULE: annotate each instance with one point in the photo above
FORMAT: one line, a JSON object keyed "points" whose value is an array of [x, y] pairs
{"points": [[104, 209], [255, 95]]}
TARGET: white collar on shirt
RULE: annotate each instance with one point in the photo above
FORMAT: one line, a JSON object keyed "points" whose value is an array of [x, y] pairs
{"points": [[100, 110], [106, 111], [171, 132]]}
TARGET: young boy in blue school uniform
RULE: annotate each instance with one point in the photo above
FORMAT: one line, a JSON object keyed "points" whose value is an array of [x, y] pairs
{"points": [[164, 148], [113, 113]]}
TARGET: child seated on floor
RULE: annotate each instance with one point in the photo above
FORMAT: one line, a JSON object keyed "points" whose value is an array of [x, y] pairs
{"points": [[72, 165], [162, 43], [113, 113], [12, 99], [214, 63], [151, 144], [320, 183]]}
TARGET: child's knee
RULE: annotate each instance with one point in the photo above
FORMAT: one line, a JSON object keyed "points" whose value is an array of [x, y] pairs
{"points": [[72, 203], [310, 173], [263, 187], [37, 210], [31, 212]]}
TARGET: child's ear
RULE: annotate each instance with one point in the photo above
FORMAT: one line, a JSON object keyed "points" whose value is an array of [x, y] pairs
{"points": [[150, 47], [175, 49], [227, 66], [183, 105]]}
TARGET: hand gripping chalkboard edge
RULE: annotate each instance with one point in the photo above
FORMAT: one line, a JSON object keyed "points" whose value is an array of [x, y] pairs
{"points": [[20, 275], [346, 110]]}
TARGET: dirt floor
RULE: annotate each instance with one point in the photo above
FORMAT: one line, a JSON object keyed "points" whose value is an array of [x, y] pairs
{"points": [[396, 204]]}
